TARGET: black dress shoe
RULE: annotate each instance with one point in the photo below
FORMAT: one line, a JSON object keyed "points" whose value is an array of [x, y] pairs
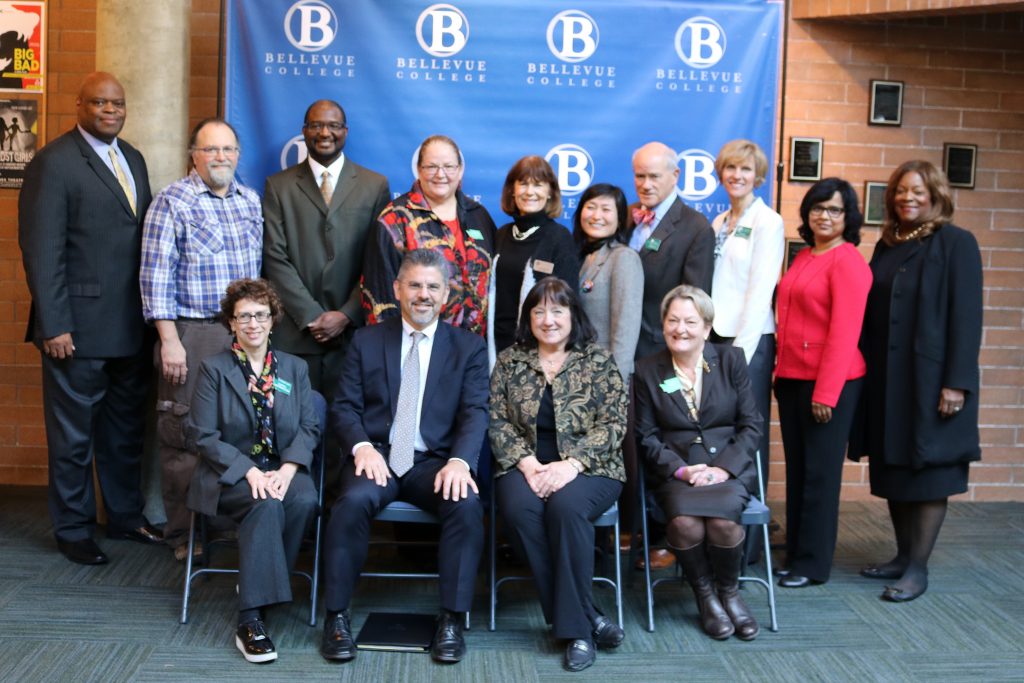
{"points": [[337, 644], [607, 634], [83, 552], [252, 641], [579, 655], [875, 572], [142, 534], [448, 645], [893, 594], [797, 581]]}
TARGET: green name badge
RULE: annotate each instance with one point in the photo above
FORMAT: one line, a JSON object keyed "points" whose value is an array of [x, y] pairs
{"points": [[475, 234], [671, 385], [282, 386], [743, 233], [653, 244]]}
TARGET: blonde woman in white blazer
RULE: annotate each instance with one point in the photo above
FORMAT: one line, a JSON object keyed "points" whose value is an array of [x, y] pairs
{"points": [[749, 247]]}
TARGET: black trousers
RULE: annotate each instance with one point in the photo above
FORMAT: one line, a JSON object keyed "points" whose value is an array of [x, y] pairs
{"points": [[814, 473], [556, 538], [270, 534], [94, 408], [359, 501]]}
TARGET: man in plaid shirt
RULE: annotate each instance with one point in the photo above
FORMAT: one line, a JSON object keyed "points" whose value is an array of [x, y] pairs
{"points": [[201, 232]]}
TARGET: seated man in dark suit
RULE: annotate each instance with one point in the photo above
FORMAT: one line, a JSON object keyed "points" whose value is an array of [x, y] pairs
{"points": [[411, 409]]}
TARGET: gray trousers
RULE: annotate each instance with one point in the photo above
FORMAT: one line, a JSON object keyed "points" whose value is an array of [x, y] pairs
{"points": [[270, 533]]}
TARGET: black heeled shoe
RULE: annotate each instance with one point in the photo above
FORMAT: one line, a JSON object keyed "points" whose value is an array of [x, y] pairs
{"points": [[873, 571]]}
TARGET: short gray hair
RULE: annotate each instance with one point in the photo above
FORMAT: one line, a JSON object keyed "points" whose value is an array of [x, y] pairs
{"points": [[701, 301], [427, 258]]}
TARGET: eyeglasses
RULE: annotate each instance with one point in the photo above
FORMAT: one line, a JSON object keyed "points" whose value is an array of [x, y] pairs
{"points": [[228, 151], [317, 126], [246, 318], [446, 169], [833, 211]]}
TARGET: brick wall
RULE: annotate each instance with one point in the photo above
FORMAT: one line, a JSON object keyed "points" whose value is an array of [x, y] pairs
{"points": [[964, 83], [964, 77]]}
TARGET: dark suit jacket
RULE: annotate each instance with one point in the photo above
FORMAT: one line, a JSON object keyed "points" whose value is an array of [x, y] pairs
{"points": [[729, 427], [314, 253], [453, 418], [222, 425], [81, 246], [686, 255]]}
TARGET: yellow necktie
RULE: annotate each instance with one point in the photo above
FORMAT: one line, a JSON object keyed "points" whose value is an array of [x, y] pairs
{"points": [[122, 178], [325, 188]]}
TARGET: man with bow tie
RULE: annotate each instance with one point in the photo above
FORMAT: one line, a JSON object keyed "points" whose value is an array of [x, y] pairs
{"points": [[676, 243]]}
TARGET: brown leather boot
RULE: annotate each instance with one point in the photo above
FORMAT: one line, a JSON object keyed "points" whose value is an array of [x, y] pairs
{"points": [[726, 563], [713, 617]]}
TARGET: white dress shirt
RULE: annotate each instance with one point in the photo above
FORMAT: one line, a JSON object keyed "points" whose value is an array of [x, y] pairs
{"points": [[642, 232], [333, 170]]}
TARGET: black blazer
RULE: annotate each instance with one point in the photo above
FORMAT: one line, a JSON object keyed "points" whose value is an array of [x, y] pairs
{"points": [[81, 246], [222, 425], [686, 255], [453, 421], [729, 427]]}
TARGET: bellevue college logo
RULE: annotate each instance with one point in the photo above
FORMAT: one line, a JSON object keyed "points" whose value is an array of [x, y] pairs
{"points": [[573, 36], [442, 30], [574, 167], [700, 42], [697, 174], [310, 25], [293, 152]]}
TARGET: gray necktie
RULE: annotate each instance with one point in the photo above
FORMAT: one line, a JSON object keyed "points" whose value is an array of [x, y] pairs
{"points": [[402, 449]]}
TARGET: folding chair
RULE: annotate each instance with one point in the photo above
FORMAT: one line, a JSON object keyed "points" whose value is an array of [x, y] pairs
{"points": [[199, 520], [609, 518], [755, 514]]}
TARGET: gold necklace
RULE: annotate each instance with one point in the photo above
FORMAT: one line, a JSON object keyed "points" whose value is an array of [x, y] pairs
{"points": [[910, 235]]}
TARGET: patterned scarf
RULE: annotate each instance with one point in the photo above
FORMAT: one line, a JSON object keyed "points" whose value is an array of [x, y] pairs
{"points": [[689, 389], [261, 393]]}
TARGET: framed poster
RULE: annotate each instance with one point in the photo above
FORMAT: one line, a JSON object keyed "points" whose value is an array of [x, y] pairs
{"points": [[22, 46], [886, 103], [19, 133], [874, 203], [805, 159], [959, 162]]}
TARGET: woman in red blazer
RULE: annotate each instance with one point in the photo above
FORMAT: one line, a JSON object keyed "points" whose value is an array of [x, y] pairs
{"points": [[818, 373]]}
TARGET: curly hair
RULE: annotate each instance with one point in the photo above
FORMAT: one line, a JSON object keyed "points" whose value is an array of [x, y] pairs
{"points": [[260, 291]]}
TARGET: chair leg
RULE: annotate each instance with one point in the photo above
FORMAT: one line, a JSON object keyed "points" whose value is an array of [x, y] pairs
{"points": [[618, 572], [768, 576], [314, 583], [647, 565], [493, 560], [188, 568]]}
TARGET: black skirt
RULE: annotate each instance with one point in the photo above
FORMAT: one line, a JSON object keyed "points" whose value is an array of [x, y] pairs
{"points": [[726, 500]]}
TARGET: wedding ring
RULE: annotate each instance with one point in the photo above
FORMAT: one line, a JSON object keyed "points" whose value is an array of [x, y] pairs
{"points": [[957, 409], [710, 477]]}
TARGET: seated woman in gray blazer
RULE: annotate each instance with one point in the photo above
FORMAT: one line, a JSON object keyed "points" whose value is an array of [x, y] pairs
{"points": [[255, 429], [611, 277]]}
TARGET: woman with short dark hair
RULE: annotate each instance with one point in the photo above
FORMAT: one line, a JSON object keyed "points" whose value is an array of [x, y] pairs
{"points": [[255, 428], [818, 374], [558, 416]]}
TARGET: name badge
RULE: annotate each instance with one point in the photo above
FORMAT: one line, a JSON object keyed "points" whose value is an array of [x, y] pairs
{"points": [[282, 386], [652, 243], [742, 233], [671, 385], [542, 266], [475, 234]]}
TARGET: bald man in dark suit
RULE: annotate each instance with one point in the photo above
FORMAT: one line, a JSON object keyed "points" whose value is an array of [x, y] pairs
{"points": [[79, 227]]}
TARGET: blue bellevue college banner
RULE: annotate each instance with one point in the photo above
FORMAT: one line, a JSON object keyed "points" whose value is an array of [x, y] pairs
{"points": [[582, 84]]}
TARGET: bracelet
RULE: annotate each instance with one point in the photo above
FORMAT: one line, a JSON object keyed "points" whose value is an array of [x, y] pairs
{"points": [[680, 473], [577, 465]]}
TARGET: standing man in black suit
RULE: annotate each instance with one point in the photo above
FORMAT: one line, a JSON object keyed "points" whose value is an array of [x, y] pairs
{"points": [[317, 215], [411, 409], [79, 227], [676, 243]]}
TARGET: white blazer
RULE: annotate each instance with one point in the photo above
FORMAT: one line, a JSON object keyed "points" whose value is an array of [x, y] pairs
{"points": [[746, 273]]}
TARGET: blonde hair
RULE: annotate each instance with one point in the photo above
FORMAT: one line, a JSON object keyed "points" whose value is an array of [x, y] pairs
{"points": [[736, 151]]}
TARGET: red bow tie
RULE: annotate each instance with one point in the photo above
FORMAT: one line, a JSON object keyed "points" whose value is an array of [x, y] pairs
{"points": [[643, 216]]}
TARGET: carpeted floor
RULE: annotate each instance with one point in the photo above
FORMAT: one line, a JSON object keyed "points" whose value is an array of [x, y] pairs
{"points": [[119, 622]]}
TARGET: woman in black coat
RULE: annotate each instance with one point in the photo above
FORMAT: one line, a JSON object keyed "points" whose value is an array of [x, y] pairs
{"points": [[922, 334]]}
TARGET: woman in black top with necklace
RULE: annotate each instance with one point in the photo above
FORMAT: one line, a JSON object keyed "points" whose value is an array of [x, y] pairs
{"points": [[530, 248]]}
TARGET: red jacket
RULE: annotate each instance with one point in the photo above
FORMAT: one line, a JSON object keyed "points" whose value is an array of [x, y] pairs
{"points": [[821, 310]]}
